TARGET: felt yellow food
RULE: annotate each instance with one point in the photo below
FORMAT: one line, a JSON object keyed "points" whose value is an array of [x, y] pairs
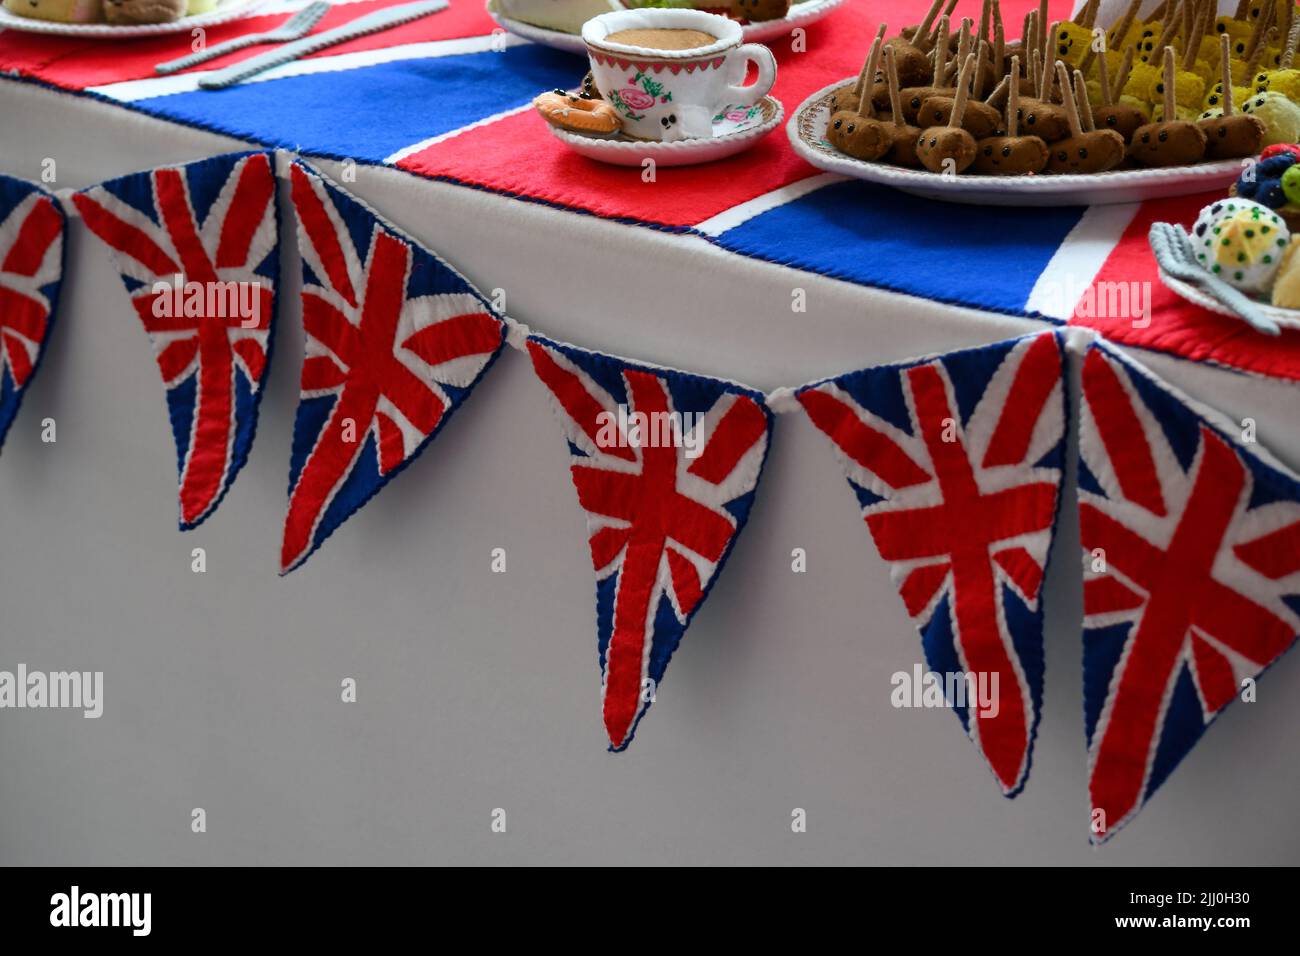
{"points": [[1281, 117], [1072, 43], [1286, 290], [1286, 82], [200, 6], [58, 11], [1140, 80]]}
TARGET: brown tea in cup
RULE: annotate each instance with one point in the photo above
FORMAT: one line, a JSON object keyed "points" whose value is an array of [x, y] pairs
{"points": [[668, 38]]}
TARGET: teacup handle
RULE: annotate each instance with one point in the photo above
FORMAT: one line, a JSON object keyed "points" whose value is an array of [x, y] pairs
{"points": [[763, 59]]}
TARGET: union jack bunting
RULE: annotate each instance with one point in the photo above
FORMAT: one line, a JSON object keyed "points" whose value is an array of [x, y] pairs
{"points": [[665, 465], [197, 248], [31, 271], [396, 340], [956, 462], [1191, 542]]}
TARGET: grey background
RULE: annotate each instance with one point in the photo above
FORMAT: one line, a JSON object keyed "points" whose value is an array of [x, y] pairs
{"points": [[479, 690]]}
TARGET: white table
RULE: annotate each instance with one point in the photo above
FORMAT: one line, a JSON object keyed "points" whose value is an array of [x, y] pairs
{"points": [[478, 690]]}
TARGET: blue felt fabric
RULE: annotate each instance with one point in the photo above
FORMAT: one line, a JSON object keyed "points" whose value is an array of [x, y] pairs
{"points": [[877, 236], [347, 113]]}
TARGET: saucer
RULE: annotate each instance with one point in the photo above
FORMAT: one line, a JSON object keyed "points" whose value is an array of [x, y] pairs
{"points": [[801, 14], [735, 129]]}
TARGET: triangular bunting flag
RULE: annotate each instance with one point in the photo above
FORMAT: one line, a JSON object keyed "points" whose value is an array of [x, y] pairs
{"points": [[957, 463], [665, 465], [396, 340], [197, 248], [1191, 541], [31, 270]]}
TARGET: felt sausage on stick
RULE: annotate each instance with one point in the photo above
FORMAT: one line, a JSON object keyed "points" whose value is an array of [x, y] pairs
{"points": [[1011, 154], [979, 118], [849, 96], [858, 133], [1039, 117], [914, 97], [1171, 142], [1232, 135], [1085, 150], [904, 135], [950, 149], [1121, 117]]}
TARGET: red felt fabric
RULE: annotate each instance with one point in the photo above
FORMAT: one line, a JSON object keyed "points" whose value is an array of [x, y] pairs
{"points": [[1177, 325], [75, 63], [518, 155]]}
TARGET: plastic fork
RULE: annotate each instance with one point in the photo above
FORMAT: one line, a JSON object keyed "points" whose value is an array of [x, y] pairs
{"points": [[291, 29]]}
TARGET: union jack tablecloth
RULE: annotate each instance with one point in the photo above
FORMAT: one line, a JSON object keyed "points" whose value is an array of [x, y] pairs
{"points": [[445, 98]]}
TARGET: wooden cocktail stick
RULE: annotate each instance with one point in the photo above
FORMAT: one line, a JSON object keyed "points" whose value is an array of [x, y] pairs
{"points": [[895, 100], [1121, 78], [963, 93], [999, 36], [923, 31], [941, 52], [1067, 99], [1225, 66], [867, 77], [1013, 100], [1120, 30], [981, 60], [1088, 15], [1292, 37], [1171, 102], [1081, 98], [865, 107]]}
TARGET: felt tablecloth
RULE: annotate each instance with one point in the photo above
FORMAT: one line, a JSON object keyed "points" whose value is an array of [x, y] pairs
{"points": [[447, 98]]}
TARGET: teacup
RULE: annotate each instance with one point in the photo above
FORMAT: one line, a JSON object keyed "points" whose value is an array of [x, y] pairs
{"points": [[662, 93]]}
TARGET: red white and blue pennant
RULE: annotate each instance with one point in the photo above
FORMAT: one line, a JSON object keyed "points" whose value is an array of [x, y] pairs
{"points": [[32, 228], [197, 247], [665, 465], [1191, 541], [956, 462], [396, 340]]}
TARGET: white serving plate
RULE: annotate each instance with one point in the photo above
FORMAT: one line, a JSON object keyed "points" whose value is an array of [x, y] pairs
{"points": [[224, 12], [731, 135], [807, 132], [1285, 318], [801, 14]]}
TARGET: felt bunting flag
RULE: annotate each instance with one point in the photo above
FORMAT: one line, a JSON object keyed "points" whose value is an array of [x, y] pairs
{"points": [[395, 341], [32, 227], [665, 465], [197, 248], [1191, 540], [956, 462]]}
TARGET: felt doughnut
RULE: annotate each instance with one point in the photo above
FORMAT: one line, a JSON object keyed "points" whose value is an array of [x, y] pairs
{"points": [[578, 115]]}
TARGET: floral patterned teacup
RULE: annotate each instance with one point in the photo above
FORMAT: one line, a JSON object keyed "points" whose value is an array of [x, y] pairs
{"points": [[674, 94]]}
